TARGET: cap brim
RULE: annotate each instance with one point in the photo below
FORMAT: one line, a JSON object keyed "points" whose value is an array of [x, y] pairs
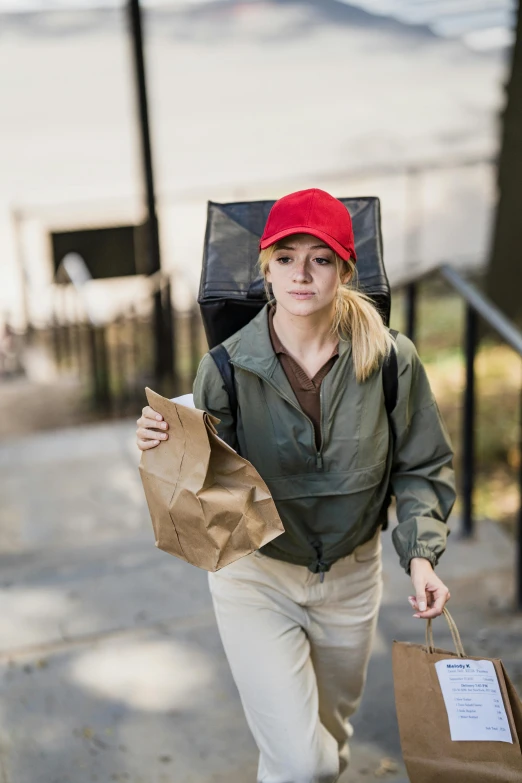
{"points": [[341, 251]]}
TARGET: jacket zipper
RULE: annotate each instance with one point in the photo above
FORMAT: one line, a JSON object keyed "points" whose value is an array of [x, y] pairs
{"points": [[317, 545], [319, 464], [319, 454]]}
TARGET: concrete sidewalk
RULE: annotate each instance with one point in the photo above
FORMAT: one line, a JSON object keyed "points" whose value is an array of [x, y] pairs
{"points": [[111, 665]]}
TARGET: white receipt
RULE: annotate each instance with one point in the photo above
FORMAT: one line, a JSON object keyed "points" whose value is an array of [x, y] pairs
{"points": [[473, 700]]}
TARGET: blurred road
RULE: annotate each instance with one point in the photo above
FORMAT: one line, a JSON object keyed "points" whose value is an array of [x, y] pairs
{"points": [[111, 668]]}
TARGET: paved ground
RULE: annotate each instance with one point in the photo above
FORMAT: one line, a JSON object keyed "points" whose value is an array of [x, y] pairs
{"points": [[27, 407], [111, 668]]}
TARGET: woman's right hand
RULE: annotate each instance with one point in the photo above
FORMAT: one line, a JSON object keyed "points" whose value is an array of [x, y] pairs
{"points": [[151, 429]]}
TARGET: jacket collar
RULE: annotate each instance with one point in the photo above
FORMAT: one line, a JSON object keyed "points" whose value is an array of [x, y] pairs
{"points": [[254, 350]]}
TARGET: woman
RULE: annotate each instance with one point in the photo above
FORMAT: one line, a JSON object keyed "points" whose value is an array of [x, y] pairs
{"points": [[298, 617]]}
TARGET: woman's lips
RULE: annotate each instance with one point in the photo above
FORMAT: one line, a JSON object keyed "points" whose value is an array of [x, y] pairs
{"points": [[301, 294]]}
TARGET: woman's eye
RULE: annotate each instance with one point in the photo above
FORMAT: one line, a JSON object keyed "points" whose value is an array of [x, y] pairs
{"points": [[284, 259], [322, 261]]}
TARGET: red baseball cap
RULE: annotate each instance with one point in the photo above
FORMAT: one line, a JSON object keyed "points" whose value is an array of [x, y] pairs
{"points": [[312, 212]]}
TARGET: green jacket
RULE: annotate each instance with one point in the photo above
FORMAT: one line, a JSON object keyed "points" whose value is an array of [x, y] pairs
{"points": [[330, 500]]}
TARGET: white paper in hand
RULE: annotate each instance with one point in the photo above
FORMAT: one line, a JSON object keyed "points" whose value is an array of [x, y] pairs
{"points": [[473, 700], [186, 399]]}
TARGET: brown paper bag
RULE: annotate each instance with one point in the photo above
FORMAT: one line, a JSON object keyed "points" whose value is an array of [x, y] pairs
{"points": [[430, 755], [208, 505]]}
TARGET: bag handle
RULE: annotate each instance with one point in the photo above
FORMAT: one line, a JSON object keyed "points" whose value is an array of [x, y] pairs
{"points": [[454, 635]]}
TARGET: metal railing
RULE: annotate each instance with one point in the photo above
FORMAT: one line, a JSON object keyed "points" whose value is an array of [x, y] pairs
{"points": [[477, 306], [114, 360]]}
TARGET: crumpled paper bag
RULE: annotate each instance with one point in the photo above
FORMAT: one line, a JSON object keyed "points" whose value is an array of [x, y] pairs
{"points": [[208, 505]]}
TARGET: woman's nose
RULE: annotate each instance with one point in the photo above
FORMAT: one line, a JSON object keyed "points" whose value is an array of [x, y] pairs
{"points": [[301, 272]]}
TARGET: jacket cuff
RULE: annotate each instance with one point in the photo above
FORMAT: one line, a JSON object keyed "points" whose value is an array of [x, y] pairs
{"points": [[419, 551]]}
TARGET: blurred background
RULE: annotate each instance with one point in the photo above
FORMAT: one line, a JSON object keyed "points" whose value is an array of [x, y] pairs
{"points": [[103, 198], [247, 100]]}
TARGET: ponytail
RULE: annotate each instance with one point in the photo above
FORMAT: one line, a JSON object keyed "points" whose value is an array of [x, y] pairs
{"points": [[355, 318]]}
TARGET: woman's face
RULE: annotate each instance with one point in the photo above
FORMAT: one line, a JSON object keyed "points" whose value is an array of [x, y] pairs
{"points": [[303, 274]]}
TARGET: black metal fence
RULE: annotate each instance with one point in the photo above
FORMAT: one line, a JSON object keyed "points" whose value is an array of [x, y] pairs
{"points": [[477, 306], [114, 361]]}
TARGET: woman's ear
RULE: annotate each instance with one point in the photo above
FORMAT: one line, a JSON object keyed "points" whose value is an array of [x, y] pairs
{"points": [[346, 277]]}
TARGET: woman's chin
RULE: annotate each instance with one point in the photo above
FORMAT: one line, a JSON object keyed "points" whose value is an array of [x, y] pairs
{"points": [[301, 307]]}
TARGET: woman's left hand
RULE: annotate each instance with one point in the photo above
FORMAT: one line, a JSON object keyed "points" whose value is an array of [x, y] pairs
{"points": [[431, 594]]}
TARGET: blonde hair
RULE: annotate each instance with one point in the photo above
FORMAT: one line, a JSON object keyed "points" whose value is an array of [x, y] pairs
{"points": [[355, 317]]}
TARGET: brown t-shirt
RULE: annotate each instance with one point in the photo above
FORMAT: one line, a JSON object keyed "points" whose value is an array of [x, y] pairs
{"points": [[307, 390]]}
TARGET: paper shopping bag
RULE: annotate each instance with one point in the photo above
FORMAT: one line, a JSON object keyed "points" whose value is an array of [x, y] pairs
{"points": [[457, 698], [208, 505]]}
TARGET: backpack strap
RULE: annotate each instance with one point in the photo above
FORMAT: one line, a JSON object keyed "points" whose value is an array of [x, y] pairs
{"points": [[390, 387], [222, 359], [390, 378]]}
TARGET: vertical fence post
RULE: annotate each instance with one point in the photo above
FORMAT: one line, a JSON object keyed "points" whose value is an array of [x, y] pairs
{"points": [[120, 396], [76, 327], [412, 250], [163, 352], [169, 360], [55, 336], [104, 381], [518, 564], [411, 310], [134, 356], [93, 360], [195, 332], [468, 430], [99, 368], [68, 344]]}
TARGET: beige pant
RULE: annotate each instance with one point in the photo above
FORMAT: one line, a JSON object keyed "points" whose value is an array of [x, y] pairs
{"points": [[298, 650]]}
